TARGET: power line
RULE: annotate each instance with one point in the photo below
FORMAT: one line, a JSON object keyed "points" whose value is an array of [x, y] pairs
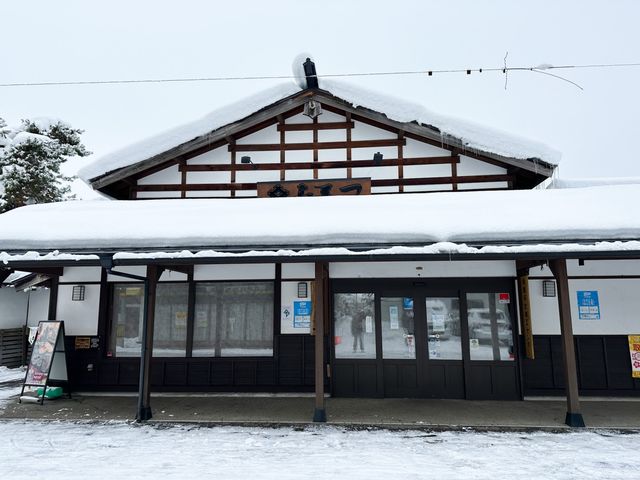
{"points": [[538, 69]]}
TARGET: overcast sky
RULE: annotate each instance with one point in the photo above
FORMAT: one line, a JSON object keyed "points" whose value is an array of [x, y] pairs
{"points": [[80, 40]]}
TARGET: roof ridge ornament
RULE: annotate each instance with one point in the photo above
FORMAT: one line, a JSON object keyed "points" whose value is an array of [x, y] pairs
{"points": [[310, 74]]}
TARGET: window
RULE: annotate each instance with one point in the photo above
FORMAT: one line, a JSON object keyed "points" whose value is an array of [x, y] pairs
{"points": [[126, 331], [233, 319], [170, 324], [398, 336], [355, 328], [443, 329], [490, 332]]}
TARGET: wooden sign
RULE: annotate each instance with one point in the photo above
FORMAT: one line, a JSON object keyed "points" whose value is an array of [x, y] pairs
{"points": [[82, 343], [48, 357], [315, 188]]}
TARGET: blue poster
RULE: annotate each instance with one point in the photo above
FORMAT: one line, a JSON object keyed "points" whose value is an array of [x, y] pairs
{"points": [[407, 303], [588, 305], [302, 314]]}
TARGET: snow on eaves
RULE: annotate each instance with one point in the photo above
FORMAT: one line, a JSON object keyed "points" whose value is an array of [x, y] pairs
{"points": [[502, 218], [473, 136]]}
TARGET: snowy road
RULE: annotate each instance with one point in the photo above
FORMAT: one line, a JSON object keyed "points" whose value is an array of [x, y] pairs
{"points": [[66, 450], [120, 450]]}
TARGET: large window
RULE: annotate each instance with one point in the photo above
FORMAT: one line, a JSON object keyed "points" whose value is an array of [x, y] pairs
{"points": [[230, 319], [233, 319], [126, 326], [490, 333], [355, 328], [443, 328], [398, 336], [170, 324]]}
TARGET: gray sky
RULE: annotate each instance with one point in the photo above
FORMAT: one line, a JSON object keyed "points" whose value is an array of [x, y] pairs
{"points": [[80, 40]]}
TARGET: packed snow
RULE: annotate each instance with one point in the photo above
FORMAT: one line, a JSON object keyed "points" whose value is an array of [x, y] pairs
{"points": [[75, 450], [501, 218], [472, 136]]}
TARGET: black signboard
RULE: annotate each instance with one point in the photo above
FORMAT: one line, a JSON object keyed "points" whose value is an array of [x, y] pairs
{"points": [[48, 358]]}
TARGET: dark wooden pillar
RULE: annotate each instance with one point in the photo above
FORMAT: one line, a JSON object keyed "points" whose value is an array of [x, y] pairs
{"points": [[144, 387], [319, 293], [573, 417]]}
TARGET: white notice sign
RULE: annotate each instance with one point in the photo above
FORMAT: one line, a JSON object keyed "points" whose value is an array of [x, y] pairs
{"points": [[393, 317]]}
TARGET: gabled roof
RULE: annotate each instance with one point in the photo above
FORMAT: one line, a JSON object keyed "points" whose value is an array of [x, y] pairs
{"points": [[224, 122]]}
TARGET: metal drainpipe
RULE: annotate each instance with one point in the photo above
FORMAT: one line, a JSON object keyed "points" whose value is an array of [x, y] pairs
{"points": [[144, 412]]}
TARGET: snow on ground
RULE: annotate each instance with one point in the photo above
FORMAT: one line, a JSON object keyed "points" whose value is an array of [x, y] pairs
{"points": [[123, 450], [10, 375]]}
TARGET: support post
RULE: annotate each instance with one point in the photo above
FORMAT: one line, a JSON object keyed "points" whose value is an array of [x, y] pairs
{"points": [[319, 414], [573, 417], [144, 390]]}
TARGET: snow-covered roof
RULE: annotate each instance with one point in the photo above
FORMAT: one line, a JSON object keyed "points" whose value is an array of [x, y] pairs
{"points": [[589, 182], [502, 218], [472, 136]]}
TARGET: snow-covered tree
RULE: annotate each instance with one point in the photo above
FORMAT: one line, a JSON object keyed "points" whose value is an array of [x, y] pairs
{"points": [[30, 159]]}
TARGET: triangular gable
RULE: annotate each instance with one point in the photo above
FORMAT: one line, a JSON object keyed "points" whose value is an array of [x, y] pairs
{"points": [[118, 169]]}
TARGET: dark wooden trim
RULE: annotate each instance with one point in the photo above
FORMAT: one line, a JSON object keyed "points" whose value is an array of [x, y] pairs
{"points": [[315, 149], [319, 313], [271, 147], [183, 178], [53, 298], [388, 162], [573, 417], [233, 167], [199, 187], [350, 125], [191, 312], [400, 160], [297, 127], [454, 170], [282, 150]]}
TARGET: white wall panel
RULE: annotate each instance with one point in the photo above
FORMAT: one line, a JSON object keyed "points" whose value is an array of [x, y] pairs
{"points": [[266, 135], [422, 269], [414, 148], [81, 274], [13, 308], [298, 136], [169, 175], [39, 306], [332, 135], [470, 166], [482, 185], [259, 271], [297, 156], [80, 318], [618, 308], [426, 171], [362, 131], [208, 177], [594, 268], [298, 270], [150, 195], [220, 156]]}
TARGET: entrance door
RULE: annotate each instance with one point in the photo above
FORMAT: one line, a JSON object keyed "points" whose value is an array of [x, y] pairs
{"points": [[424, 340]]}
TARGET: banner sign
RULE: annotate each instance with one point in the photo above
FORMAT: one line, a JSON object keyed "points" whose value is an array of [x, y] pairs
{"points": [[634, 350], [302, 314], [588, 305], [44, 364]]}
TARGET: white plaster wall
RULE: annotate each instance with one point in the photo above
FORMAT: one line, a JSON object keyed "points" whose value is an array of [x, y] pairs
{"points": [[482, 185], [297, 156], [362, 131], [172, 194], [39, 306], [168, 175], [594, 268], [301, 118], [445, 187], [414, 148], [434, 269], [13, 308], [422, 171], [208, 177], [266, 135], [134, 270], [471, 166], [298, 270], [619, 313], [297, 136], [258, 271], [81, 274], [220, 156], [80, 318], [288, 295]]}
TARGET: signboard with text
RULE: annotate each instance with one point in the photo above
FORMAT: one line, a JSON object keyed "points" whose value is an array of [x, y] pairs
{"points": [[588, 305], [634, 351], [315, 188]]}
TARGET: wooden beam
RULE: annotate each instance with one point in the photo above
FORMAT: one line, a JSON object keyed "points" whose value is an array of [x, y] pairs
{"points": [[401, 160], [388, 162], [282, 150], [319, 414], [52, 271], [148, 318], [296, 127], [315, 149], [199, 187], [573, 417], [274, 147], [350, 125]]}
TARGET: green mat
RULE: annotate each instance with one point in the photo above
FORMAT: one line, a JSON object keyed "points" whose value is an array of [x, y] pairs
{"points": [[52, 392]]}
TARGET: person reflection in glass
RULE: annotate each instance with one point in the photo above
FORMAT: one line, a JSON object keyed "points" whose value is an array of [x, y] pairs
{"points": [[357, 330]]}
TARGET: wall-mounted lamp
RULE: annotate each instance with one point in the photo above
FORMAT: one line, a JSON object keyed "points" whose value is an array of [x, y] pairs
{"points": [[377, 158], [247, 161], [77, 294], [303, 291], [548, 288]]}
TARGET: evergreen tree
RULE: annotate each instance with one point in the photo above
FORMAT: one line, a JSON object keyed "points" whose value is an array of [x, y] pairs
{"points": [[30, 159]]}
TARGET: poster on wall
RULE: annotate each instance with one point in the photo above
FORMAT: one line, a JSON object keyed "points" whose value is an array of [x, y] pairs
{"points": [[302, 314], [588, 305], [634, 351], [393, 317]]}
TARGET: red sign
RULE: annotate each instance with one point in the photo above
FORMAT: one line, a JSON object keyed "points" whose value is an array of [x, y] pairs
{"points": [[504, 298]]}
